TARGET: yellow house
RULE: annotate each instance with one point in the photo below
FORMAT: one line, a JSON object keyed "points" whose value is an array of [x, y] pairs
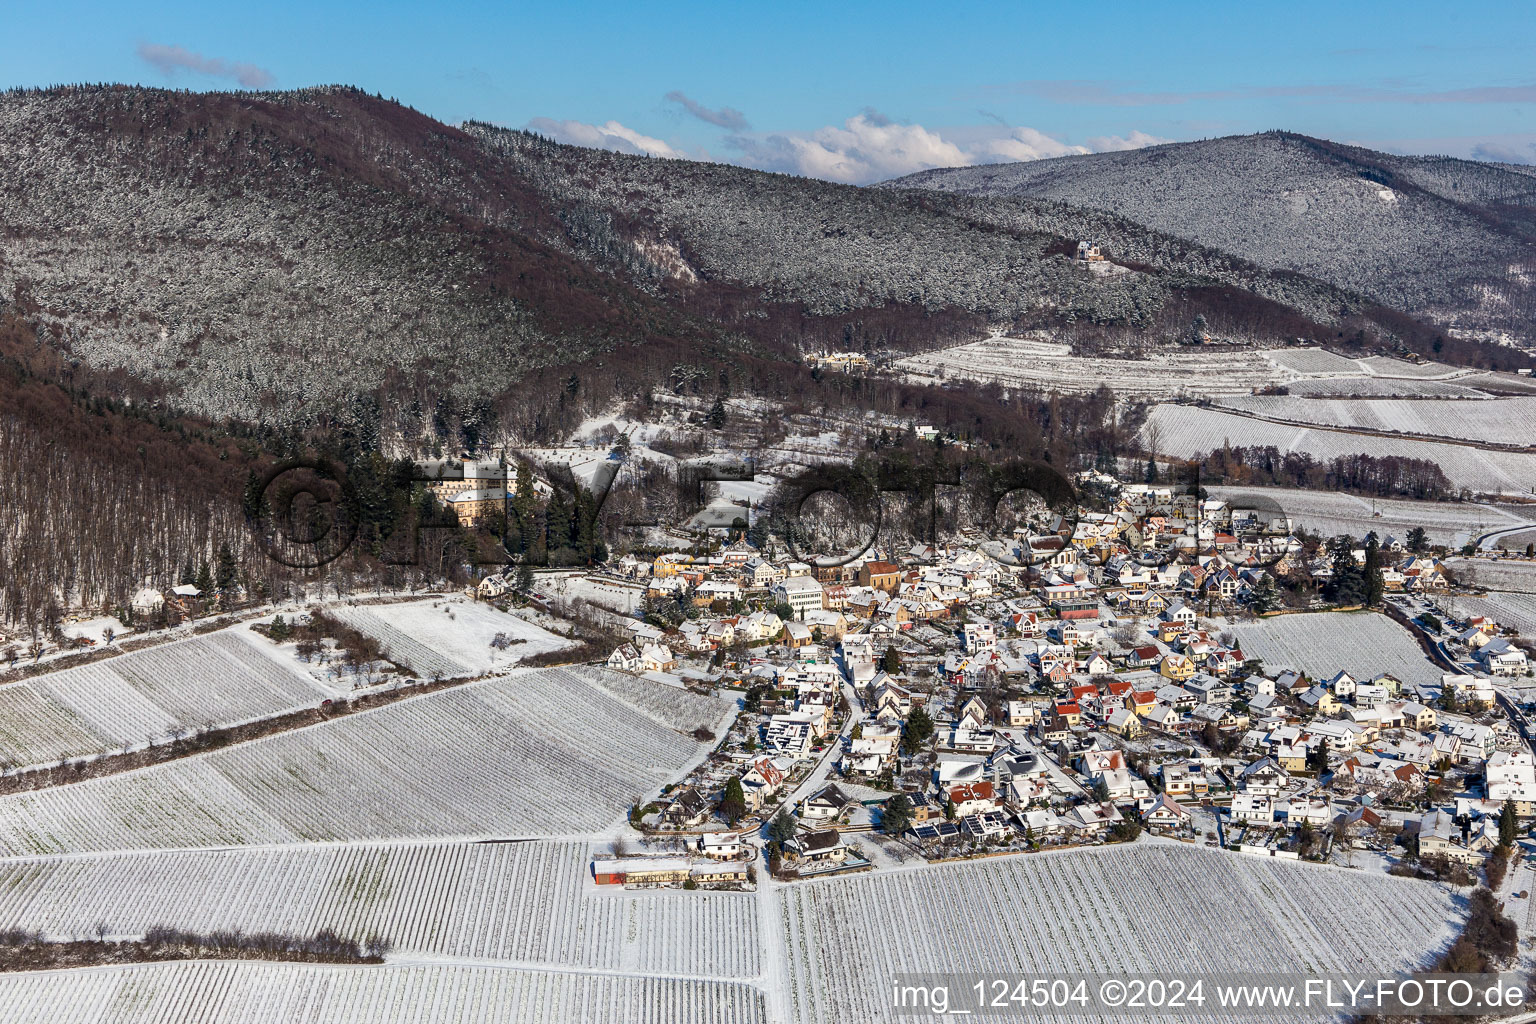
{"points": [[1423, 718], [1123, 723], [1291, 757], [477, 504], [1176, 667], [1171, 630], [670, 564]]}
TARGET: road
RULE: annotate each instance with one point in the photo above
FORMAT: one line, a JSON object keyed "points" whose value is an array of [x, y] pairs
{"points": [[1485, 542]]}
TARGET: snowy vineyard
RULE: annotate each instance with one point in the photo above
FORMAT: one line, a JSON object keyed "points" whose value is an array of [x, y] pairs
{"points": [[1022, 362], [1117, 910], [1331, 513], [257, 993], [1364, 644], [1183, 431], [529, 903], [132, 699], [532, 753], [1509, 421], [1517, 611]]}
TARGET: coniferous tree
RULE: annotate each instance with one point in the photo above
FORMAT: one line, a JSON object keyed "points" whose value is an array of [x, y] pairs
{"points": [[1347, 584], [733, 802], [228, 571], [1375, 585]]}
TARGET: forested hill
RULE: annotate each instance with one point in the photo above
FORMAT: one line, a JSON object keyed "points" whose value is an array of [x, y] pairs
{"points": [[327, 254], [1428, 235]]}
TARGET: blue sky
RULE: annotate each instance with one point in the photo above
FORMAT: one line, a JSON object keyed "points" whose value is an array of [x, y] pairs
{"points": [[850, 91]]}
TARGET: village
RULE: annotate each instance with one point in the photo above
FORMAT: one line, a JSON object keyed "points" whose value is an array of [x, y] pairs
{"points": [[940, 703]]}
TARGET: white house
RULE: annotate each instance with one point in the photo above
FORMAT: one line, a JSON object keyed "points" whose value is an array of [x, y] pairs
{"points": [[801, 593], [1253, 808], [147, 601], [626, 659]]}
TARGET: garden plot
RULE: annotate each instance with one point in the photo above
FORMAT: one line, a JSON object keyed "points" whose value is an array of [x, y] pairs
{"points": [[1510, 421], [1087, 911], [548, 752], [134, 699], [1331, 513], [450, 636], [235, 992], [1185, 432], [1364, 644], [529, 903]]}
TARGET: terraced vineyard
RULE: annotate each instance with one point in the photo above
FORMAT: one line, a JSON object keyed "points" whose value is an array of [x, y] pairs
{"points": [[1023, 362], [530, 903], [1187, 432], [528, 754], [1510, 421], [232, 992], [1364, 644], [1085, 912], [128, 701], [1383, 387]]}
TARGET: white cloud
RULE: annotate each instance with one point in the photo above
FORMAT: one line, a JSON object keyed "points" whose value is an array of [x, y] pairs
{"points": [[870, 147], [1023, 144], [1119, 143], [174, 59], [608, 135], [866, 147]]}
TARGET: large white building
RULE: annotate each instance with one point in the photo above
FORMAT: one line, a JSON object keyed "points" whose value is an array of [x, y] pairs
{"points": [[801, 593]]}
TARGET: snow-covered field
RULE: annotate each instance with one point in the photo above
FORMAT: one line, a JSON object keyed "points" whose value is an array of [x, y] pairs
{"points": [[1024, 362], [533, 753], [126, 701], [527, 903], [1331, 513], [450, 636], [1184, 431], [1364, 644], [1151, 907], [232, 992], [606, 594], [1509, 421]]}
